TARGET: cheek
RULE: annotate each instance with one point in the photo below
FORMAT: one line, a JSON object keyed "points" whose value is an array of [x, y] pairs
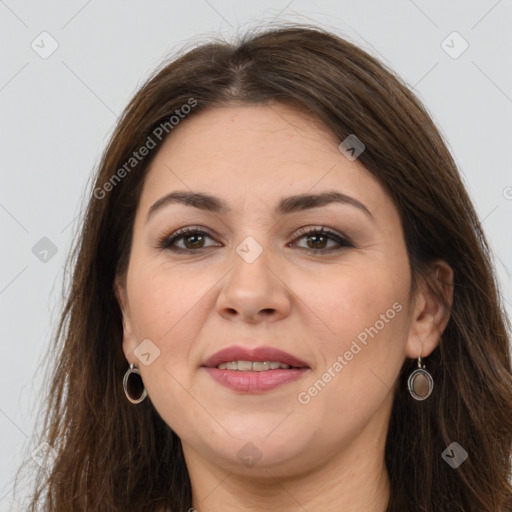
{"points": [[162, 295], [363, 313], [165, 312], [359, 357], [352, 298], [168, 305]]}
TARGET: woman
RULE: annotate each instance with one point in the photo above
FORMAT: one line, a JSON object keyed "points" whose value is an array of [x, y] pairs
{"points": [[282, 299]]}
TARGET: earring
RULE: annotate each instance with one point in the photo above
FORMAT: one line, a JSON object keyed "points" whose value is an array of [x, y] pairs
{"points": [[420, 382], [126, 384]]}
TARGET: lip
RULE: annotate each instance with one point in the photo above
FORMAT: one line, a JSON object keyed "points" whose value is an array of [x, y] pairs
{"points": [[254, 382], [259, 354]]}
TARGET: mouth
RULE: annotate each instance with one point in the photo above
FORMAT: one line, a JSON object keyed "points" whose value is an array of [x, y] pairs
{"points": [[253, 366], [262, 358], [254, 370]]}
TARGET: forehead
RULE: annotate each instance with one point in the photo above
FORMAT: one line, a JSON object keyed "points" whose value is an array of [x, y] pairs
{"points": [[256, 153]]}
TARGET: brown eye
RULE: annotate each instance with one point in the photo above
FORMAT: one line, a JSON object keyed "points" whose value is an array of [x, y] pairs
{"points": [[317, 240], [192, 238], [193, 241]]}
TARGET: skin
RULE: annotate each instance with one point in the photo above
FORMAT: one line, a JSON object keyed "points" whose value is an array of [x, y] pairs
{"points": [[327, 454]]}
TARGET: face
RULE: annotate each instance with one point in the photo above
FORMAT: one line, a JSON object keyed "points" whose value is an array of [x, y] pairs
{"points": [[326, 282]]}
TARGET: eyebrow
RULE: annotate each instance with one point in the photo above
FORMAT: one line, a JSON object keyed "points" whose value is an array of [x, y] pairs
{"points": [[286, 206]]}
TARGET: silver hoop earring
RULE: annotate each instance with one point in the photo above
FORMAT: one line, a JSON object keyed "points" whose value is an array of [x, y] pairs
{"points": [[420, 382], [129, 386]]}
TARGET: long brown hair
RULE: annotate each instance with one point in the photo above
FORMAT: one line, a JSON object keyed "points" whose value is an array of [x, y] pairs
{"points": [[113, 456]]}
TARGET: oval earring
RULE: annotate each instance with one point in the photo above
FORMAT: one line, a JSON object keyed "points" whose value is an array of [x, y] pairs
{"points": [[420, 382], [129, 386]]}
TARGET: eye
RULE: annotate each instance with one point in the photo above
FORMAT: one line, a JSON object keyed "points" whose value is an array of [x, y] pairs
{"points": [[317, 239], [192, 238]]}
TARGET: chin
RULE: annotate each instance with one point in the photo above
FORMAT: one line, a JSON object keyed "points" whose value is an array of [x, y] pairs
{"points": [[256, 454]]}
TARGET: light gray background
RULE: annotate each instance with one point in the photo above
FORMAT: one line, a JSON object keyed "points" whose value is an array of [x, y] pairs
{"points": [[57, 113]]}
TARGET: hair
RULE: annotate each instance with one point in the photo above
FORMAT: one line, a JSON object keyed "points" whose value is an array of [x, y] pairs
{"points": [[114, 456]]}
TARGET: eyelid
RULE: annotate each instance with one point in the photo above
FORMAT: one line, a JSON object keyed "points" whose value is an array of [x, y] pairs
{"points": [[319, 228]]}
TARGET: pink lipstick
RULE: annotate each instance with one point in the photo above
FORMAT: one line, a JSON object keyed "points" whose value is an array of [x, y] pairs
{"points": [[254, 370]]}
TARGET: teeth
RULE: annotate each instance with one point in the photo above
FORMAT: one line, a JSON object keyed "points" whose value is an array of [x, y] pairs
{"points": [[252, 366], [244, 366], [261, 366]]}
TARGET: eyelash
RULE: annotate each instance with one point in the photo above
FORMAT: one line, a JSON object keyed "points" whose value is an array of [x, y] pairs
{"points": [[166, 242]]}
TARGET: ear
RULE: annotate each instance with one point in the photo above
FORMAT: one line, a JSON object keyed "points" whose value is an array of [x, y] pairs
{"points": [[129, 341], [430, 314]]}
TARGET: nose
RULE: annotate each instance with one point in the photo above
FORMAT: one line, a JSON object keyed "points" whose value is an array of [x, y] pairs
{"points": [[255, 291]]}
